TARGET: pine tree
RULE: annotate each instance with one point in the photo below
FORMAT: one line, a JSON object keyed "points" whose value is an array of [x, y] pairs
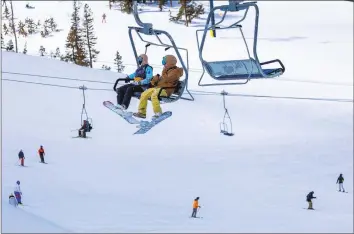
{"points": [[75, 43], [25, 48], [104, 67], [7, 14], [10, 46], [2, 42], [118, 62], [52, 24], [21, 29], [6, 29], [90, 39], [57, 53], [13, 26], [46, 27], [42, 51], [126, 6], [31, 26]]}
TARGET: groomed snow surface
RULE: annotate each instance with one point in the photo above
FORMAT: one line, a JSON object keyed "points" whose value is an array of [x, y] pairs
{"points": [[255, 181]]}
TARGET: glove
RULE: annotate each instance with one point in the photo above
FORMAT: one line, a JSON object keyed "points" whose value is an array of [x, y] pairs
{"points": [[127, 79], [136, 83]]}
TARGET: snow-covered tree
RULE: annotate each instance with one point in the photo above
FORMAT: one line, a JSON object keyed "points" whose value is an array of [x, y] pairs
{"points": [[88, 30], [118, 62]]}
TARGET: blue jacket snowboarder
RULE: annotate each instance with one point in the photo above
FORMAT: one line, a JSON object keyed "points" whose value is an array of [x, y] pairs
{"points": [[142, 77]]}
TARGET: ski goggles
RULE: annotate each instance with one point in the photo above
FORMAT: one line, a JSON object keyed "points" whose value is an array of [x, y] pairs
{"points": [[164, 60], [140, 60]]}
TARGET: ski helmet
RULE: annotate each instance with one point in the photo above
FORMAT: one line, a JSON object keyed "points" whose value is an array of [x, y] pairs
{"points": [[18, 182]]}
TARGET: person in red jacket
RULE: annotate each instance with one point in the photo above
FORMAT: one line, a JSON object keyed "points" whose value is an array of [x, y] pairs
{"points": [[41, 154]]}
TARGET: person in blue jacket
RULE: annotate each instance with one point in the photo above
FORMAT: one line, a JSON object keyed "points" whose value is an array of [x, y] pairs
{"points": [[142, 77]]}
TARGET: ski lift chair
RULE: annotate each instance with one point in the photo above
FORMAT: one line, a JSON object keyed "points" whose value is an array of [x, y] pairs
{"points": [[238, 70], [147, 29]]}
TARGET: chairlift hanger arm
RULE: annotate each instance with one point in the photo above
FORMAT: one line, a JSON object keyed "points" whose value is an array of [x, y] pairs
{"points": [[173, 46], [165, 45]]}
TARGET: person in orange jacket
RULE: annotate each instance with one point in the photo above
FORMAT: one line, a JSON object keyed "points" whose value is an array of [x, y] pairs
{"points": [[195, 207], [41, 154]]}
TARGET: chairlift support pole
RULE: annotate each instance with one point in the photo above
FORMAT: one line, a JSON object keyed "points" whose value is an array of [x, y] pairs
{"points": [[147, 29]]}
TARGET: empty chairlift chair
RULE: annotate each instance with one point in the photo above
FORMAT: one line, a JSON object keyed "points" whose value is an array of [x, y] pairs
{"points": [[241, 71]]}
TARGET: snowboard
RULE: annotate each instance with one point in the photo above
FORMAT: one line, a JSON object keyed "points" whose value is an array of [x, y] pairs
{"points": [[128, 116], [43, 162], [146, 126]]}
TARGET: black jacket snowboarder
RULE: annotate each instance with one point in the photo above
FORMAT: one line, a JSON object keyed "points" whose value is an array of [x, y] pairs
{"points": [[21, 154], [309, 198], [21, 157], [340, 181]]}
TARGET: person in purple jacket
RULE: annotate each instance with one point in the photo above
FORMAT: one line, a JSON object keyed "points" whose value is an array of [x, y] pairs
{"points": [[142, 77]]}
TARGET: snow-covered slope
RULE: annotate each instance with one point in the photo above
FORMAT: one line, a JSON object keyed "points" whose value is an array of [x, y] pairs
{"points": [[255, 181], [18, 220]]}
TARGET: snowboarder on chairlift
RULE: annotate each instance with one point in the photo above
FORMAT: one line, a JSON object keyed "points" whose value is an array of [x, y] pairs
{"points": [[21, 157], [168, 80], [195, 207], [340, 182], [18, 192], [86, 127], [142, 77], [309, 198]]}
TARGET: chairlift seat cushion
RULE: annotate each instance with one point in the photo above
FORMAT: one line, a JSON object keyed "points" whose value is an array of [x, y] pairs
{"points": [[172, 98], [238, 69]]}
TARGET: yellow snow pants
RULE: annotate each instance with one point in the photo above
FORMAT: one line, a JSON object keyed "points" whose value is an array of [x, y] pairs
{"points": [[153, 93]]}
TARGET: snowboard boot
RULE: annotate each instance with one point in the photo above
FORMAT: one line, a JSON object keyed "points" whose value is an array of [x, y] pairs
{"points": [[139, 115]]}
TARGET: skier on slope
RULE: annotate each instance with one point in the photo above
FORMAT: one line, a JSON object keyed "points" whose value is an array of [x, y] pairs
{"points": [[168, 80], [86, 127], [18, 192], [142, 77], [340, 182], [21, 157], [41, 153], [309, 198], [195, 207], [12, 200], [104, 18]]}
